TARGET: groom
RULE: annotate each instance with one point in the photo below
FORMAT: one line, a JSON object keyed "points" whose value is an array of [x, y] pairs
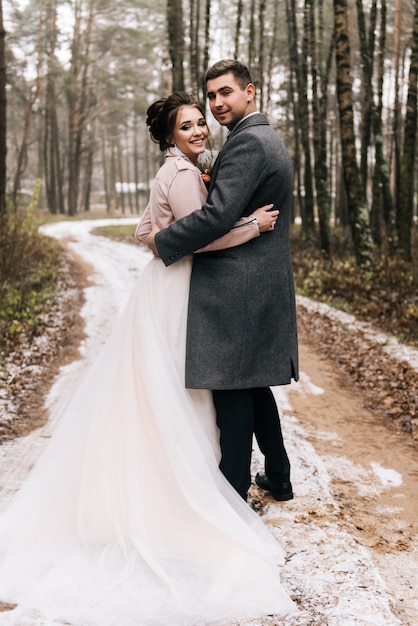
{"points": [[241, 335]]}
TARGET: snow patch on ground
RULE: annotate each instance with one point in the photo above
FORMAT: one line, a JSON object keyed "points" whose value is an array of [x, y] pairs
{"points": [[390, 344]]}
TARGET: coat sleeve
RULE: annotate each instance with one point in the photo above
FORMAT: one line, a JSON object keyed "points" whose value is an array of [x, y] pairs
{"points": [[186, 202], [144, 227], [241, 168], [183, 203]]}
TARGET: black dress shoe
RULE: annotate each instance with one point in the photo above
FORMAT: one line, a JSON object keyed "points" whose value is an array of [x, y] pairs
{"points": [[279, 491]]}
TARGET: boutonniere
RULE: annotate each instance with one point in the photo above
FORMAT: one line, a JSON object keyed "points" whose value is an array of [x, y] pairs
{"points": [[204, 163], [206, 177]]}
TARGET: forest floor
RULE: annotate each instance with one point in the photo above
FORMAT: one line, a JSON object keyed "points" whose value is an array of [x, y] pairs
{"points": [[350, 425]]}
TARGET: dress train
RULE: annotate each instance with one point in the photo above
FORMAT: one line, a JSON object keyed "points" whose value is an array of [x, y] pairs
{"points": [[126, 519]]}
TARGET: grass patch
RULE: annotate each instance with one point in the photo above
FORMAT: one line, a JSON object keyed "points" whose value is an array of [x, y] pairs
{"points": [[29, 274], [116, 231]]}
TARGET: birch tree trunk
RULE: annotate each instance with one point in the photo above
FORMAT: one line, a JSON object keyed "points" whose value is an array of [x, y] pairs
{"points": [[382, 204], [308, 216], [352, 180], [367, 47], [406, 196], [51, 150]]}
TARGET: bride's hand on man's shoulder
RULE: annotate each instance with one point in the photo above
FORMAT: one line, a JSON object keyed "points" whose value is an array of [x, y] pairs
{"points": [[266, 217]]}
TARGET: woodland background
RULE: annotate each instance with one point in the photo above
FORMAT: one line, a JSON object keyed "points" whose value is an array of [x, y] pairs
{"points": [[337, 79]]}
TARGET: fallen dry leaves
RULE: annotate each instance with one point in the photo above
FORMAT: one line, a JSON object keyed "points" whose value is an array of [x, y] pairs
{"points": [[388, 388]]}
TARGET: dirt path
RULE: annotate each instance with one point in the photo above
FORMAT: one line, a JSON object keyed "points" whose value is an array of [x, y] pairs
{"points": [[357, 448], [350, 534]]}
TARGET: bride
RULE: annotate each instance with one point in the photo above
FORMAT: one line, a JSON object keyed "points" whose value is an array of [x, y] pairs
{"points": [[126, 519]]}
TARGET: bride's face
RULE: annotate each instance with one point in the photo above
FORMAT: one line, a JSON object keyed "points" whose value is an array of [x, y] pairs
{"points": [[191, 132]]}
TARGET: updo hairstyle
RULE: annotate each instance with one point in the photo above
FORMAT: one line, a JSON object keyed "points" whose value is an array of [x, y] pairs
{"points": [[162, 115]]}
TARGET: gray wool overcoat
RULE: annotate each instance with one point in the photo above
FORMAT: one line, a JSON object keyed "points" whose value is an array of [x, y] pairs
{"points": [[241, 329]]}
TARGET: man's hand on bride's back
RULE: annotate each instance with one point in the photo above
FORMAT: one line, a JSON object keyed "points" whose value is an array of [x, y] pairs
{"points": [[150, 240], [266, 217]]}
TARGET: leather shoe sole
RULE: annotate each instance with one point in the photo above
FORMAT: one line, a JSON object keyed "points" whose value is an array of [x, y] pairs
{"points": [[280, 491]]}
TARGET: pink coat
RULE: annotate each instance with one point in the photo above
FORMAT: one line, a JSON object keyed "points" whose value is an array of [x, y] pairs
{"points": [[177, 191]]}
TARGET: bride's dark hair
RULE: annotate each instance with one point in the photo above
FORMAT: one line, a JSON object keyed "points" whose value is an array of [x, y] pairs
{"points": [[162, 115]]}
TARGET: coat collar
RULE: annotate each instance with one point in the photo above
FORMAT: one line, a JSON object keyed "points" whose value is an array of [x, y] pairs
{"points": [[255, 119]]}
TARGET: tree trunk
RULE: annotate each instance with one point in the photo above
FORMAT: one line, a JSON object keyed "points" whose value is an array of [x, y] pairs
{"points": [[406, 196], [136, 161], [73, 96], [205, 60], [105, 168], [194, 46], [352, 180], [272, 54], [238, 29], [51, 153], [3, 119], [260, 70], [302, 75], [79, 101], [382, 206], [319, 119], [397, 104], [367, 46], [251, 38], [176, 42], [88, 169], [293, 90], [33, 97]]}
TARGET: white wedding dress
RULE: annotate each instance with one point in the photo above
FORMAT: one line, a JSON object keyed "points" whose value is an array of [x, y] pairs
{"points": [[126, 519]]}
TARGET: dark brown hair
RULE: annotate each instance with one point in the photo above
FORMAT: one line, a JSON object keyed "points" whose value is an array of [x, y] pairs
{"points": [[162, 115], [240, 72]]}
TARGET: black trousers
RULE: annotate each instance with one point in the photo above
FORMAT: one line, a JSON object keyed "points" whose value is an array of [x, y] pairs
{"points": [[240, 413]]}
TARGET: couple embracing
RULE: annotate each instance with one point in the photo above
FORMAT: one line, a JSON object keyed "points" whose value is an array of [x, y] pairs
{"points": [[135, 514], [241, 333]]}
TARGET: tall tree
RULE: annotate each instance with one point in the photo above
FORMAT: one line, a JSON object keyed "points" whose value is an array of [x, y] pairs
{"points": [[293, 101], [205, 60], [78, 96], [176, 42], [320, 78], [238, 25], [3, 105], [406, 196], [261, 52], [51, 149], [30, 104], [352, 180], [299, 65], [367, 48], [397, 61], [382, 203], [194, 49]]}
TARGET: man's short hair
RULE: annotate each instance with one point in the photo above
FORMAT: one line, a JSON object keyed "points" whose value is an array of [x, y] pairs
{"points": [[240, 72]]}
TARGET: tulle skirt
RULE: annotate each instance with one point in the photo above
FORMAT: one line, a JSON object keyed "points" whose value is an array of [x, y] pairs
{"points": [[126, 519]]}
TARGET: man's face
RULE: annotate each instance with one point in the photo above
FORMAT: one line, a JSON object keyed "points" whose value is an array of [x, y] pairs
{"points": [[228, 102]]}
